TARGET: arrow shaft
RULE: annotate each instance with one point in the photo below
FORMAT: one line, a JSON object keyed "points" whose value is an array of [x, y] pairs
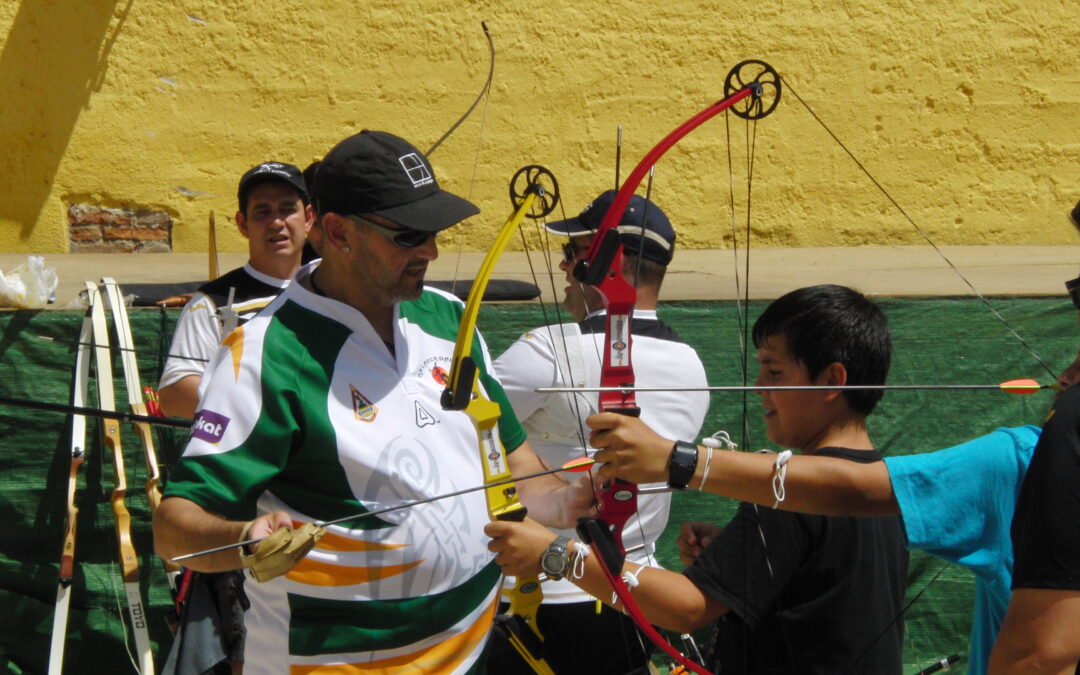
{"points": [[176, 422], [846, 387], [578, 465]]}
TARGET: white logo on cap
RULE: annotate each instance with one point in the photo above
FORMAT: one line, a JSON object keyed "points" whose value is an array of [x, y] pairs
{"points": [[273, 167], [416, 170]]}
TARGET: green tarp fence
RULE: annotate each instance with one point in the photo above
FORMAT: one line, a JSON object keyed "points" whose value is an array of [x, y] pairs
{"points": [[936, 341]]}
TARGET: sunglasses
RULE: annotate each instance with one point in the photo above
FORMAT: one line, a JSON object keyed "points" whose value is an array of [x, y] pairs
{"points": [[404, 237], [571, 253]]}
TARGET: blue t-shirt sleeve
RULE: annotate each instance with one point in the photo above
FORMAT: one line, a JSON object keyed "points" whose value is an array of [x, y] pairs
{"points": [[958, 503]]}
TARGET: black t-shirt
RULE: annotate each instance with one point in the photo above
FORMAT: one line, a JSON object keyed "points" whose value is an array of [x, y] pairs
{"points": [[818, 596], [1046, 524]]}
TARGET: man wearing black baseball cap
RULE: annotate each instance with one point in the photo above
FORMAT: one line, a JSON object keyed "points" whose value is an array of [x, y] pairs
{"points": [[378, 173], [274, 216], [345, 371], [569, 355]]}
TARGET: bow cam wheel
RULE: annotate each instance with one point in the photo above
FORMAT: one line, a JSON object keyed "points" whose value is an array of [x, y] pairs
{"points": [[538, 180], [763, 81]]}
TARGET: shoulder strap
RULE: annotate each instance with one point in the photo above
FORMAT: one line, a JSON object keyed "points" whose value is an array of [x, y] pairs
{"points": [[568, 343]]}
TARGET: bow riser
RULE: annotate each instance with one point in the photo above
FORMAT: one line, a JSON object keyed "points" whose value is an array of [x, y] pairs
{"points": [[602, 269]]}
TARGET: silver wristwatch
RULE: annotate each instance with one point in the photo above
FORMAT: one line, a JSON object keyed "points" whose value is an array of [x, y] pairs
{"points": [[555, 560]]}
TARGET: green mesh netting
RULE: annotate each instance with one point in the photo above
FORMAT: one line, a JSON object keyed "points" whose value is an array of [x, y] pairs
{"points": [[951, 340]]}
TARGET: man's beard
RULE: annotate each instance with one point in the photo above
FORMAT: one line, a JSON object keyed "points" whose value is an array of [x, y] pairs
{"points": [[410, 287]]}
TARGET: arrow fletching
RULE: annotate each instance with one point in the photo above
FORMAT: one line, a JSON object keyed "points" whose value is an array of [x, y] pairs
{"points": [[1022, 386], [577, 465]]}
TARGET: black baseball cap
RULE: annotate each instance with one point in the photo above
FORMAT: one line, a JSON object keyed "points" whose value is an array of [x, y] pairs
{"points": [[658, 236], [266, 172], [377, 172]]}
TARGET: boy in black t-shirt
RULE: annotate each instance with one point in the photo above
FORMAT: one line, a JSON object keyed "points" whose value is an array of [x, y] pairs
{"points": [[793, 593]]}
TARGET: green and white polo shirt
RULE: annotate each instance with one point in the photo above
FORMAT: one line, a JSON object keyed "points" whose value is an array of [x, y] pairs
{"points": [[307, 411]]}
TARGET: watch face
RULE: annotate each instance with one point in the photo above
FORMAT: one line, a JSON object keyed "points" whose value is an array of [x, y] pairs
{"points": [[553, 562]]}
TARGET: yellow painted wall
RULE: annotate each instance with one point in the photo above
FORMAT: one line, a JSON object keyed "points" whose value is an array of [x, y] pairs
{"points": [[968, 112]]}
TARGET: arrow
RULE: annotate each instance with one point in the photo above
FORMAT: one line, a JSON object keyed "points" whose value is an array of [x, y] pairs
{"points": [[1022, 386], [580, 464], [117, 348], [177, 422]]}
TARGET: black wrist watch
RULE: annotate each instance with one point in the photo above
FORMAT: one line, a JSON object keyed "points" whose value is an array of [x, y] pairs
{"points": [[682, 464], [554, 560]]}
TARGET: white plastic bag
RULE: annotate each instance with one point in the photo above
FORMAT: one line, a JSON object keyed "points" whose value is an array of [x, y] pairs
{"points": [[30, 285]]}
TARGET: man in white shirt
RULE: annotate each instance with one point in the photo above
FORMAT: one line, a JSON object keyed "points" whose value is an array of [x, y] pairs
{"points": [[570, 354], [274, 216]]}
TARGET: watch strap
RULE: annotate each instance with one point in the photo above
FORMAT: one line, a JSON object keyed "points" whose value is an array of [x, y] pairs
{"points": [[682, 464], [555, 560]]}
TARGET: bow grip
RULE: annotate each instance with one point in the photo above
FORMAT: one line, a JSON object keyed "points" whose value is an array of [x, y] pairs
{"points": [[456, 395], [514, 515], [595, 533]]}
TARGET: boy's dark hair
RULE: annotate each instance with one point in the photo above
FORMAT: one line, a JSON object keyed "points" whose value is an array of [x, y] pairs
{"points": [[832, 324]]}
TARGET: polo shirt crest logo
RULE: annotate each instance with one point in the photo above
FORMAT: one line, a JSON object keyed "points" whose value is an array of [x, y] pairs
{"points": [[416, 170], [363, 409], [423, 417], [438, 373]]}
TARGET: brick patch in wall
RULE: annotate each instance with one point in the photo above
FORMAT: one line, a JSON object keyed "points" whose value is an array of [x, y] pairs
{"points": [[96, 229]]}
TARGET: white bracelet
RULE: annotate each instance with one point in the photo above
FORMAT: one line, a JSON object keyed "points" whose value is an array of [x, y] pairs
{"points": [[631, 581], [721, 439], [780, 474], [708, 465], [577, 564]]}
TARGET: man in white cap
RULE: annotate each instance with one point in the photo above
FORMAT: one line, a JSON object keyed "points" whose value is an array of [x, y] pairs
{"points": [[569, 355]]}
